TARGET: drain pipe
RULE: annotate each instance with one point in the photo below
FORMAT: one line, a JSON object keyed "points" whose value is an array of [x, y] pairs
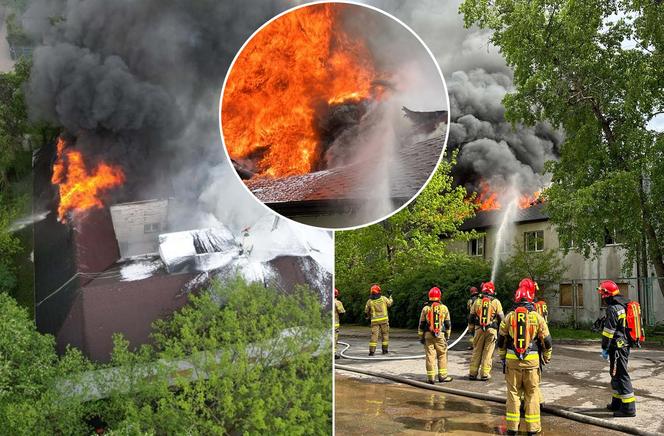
{"points": [[553, 410], [346, 345]]}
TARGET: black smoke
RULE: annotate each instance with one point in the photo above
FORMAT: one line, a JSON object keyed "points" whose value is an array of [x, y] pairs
{"points": [[138, 83], [477, 79]]}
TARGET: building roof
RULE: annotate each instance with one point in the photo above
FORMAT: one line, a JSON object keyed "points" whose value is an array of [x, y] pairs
{"points": [[414, 164], [491, 218]]}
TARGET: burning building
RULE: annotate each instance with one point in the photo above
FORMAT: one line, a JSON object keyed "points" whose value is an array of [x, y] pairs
{"points": [[575, 298], [312, 117], [101, 270]]}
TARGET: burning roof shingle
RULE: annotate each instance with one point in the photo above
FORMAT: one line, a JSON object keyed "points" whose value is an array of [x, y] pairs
{"points": [[416, 162]]}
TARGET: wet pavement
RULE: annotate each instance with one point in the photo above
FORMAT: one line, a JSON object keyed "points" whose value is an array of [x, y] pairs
{"points": [[372, 407], [577, 378]]}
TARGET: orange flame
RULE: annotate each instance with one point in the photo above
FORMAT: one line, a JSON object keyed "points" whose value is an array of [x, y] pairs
{"points": [[79, 188], [487, 198], [297, 65]]}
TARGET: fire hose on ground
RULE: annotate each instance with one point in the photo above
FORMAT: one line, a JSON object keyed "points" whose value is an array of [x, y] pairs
{"points": [[343, 354], [551, 409]]}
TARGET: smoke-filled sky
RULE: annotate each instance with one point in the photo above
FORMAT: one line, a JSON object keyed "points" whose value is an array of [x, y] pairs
{"points": [[135, 81], [477, 79]]}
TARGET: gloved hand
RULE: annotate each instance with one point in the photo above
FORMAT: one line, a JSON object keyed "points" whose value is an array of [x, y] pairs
{"points": [[546, 357], [604, 354]]}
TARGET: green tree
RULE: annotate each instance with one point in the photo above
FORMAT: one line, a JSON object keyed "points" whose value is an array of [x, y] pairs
{"points": [[595, 68], [545, 267], [406, 252], [30, 403], [251, 368]]}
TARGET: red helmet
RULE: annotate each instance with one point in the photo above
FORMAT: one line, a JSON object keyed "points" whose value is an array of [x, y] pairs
{"points": [[529, 284], [473, 290], [488, 288], [336, 292], [525, 293], [434, 294], [375, 289], [608, 288]]}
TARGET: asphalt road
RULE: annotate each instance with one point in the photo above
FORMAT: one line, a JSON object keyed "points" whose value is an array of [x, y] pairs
{"points": [[576, 379]]}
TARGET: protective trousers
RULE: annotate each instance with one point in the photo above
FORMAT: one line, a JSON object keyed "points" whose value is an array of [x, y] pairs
{"points": [[336, 339], [621, 384], [484, 344], [435, 349], [382, 328], [522, 381]]}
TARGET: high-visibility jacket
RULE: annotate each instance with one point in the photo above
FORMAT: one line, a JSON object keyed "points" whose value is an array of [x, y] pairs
{"points": [[338, 309], [443, 315], [537, 331], [496, 313], [614, 324], [376, 309]]}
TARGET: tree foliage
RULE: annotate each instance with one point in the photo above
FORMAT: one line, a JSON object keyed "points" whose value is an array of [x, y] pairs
{"points": [[239, 359], [595, 68], [406, 253], [545, 267]]}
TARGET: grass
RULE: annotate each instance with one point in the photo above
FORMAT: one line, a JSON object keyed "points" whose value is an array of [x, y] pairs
{"points": [[572, 333]]}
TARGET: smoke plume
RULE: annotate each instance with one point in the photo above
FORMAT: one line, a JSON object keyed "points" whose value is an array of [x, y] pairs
{"points": [[137, 84], [477, 80]]}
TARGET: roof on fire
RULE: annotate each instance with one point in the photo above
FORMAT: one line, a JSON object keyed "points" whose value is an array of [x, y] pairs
{"points": [[416, 163], [491, 218]]}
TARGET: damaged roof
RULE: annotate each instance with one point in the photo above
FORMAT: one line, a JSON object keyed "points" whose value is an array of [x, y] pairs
{"points": [[415, 163], [491, 218]]}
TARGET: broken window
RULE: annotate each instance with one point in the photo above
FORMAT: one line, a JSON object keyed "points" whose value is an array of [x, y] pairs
{"points": [[476, 247], [151, 227], [534, 241], [567, 295]]}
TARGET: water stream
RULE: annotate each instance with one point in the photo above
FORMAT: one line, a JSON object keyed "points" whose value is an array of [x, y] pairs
{"points": [[504, 232]]}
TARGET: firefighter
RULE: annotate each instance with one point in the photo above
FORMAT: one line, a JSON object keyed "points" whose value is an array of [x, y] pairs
{"points": [[484, 319], [540, 305], [474, 295], [434, 330], [616, 347], [376, 311], [521, 334], [338, 310], [530, 286]]}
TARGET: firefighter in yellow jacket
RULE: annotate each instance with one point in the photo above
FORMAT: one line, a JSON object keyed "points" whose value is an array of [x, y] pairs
{"points": [[434, 330], [376, 311], [338, 310], [523, 341], [484, 319]]}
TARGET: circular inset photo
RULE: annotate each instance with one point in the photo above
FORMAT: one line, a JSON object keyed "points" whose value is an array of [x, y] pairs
{"points": [[334, 114]]}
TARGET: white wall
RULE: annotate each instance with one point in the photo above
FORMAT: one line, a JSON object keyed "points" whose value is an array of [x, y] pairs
{"points": [[129, 220]]}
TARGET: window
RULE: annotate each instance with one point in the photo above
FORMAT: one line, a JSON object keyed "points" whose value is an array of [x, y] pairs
{"points": [[476, 247], [612, 238], [567, 295], [151, 227], [534, 241]]}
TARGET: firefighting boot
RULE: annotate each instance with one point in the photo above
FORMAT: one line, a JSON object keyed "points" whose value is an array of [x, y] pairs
{"points": [[511, 432], [431, 381], [444, 378], [621, 413], [614, 404], [372, 350], [384, 349]]}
